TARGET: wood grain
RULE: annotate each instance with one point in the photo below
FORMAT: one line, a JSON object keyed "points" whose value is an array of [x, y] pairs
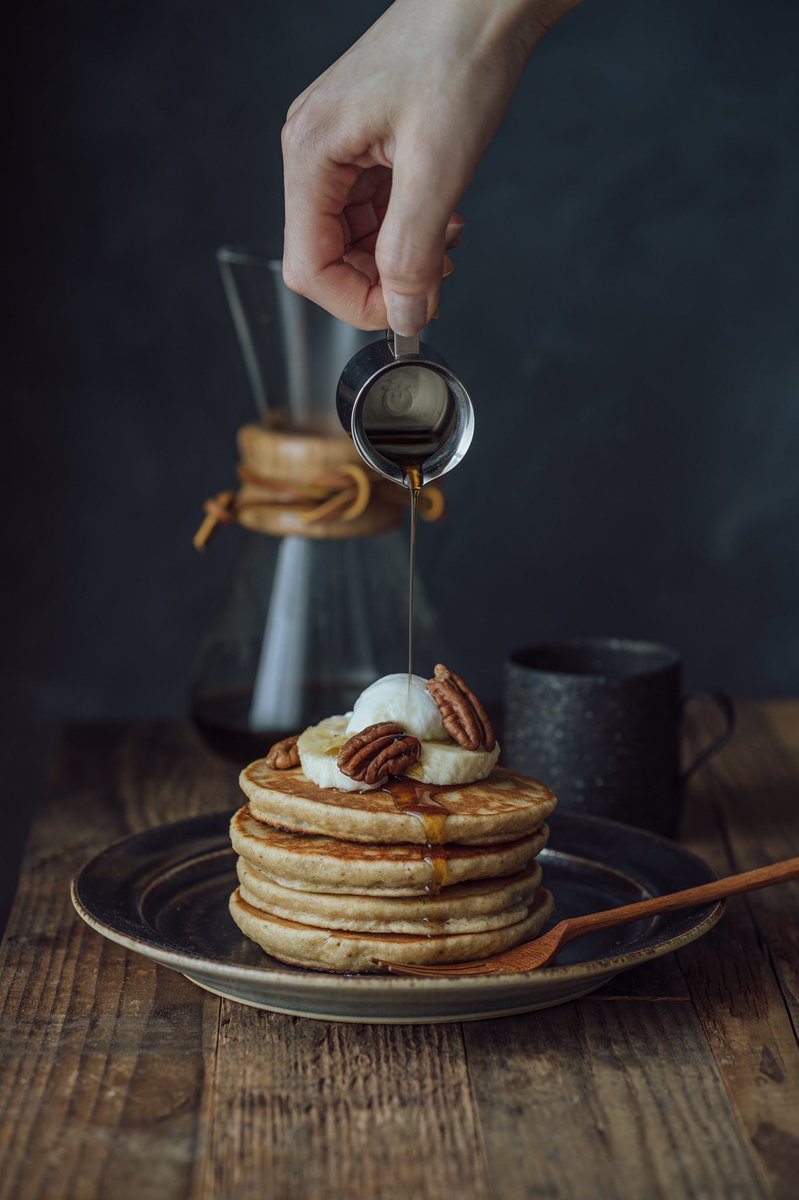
{"points": [[121, 1079], [609, 1100], [733, 977], [341, 1112], [100, 1053]]}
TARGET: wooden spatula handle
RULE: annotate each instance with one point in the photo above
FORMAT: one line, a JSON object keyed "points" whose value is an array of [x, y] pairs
{"points": [[720, 889]]}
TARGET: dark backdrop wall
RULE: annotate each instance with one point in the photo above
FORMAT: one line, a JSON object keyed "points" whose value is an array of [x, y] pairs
{"points": [[624, 311]]}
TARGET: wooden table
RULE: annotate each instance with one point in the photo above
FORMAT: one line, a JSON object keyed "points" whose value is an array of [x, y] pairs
{"points": [[120, 1079]]}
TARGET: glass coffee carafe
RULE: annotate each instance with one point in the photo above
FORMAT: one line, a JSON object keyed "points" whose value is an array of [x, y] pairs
{"points": [[317, 605]]}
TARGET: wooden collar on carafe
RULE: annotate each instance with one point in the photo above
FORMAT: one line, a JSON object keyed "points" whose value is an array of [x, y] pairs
{"points": [[309, 485]]}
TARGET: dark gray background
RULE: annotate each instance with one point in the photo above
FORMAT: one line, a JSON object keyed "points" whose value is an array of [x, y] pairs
{"points": [[624, 312]]}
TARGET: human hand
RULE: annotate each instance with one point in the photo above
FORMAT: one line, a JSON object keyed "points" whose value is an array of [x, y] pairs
{"points": [[379, 150]]}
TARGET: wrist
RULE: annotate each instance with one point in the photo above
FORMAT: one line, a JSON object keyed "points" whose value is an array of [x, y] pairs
{"points": [[524, 22], [516, 24]]}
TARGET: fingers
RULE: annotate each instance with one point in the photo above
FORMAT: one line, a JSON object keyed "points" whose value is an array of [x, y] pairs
{"points": [[318, 238], [364, 262], [356, 235], [454, 234], [417, 228]]}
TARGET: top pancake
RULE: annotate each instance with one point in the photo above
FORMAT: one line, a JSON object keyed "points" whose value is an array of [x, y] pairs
{"points": [[501, 808]]}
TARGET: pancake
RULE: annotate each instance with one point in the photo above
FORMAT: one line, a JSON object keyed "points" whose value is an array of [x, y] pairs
{"points": [[502, 808], [464, 908], [343, 951], [323, 864]]}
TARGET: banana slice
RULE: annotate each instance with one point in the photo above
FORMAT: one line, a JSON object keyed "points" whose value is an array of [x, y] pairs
{"points": [[440, 762], [319, 747], [446, 762]]}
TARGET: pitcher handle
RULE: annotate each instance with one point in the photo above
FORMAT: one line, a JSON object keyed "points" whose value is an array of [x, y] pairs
{"points": [[401, 346], [727, 709]]}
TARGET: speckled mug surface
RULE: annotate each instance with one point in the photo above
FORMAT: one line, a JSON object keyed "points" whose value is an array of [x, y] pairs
{"points": [[598, 720]]}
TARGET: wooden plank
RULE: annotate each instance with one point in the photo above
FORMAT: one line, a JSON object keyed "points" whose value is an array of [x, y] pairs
{"points": [[753, 788], [731, 975], [101, 1054], [146, 1093], [161, 772], [97, 1091], [318, 1111], [782, 716], [775, 910], [619, 1100]]}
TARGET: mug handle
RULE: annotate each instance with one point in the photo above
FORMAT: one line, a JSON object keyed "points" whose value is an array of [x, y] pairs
{"points": [[727, 710]]}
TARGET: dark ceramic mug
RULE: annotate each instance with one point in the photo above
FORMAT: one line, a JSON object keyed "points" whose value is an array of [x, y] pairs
{"points": [[599, 720]]}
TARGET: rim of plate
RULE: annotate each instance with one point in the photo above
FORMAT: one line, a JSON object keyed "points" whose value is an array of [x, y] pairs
{"points": [[312, 980]]}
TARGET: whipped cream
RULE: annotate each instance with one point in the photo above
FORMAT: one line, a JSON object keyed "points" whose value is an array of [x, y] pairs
{"points": [[390, 699]]}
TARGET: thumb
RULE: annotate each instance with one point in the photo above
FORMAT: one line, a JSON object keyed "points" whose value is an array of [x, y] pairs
{"points": [[411, 245]]}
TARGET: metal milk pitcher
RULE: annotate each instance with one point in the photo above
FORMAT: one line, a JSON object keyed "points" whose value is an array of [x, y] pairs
{"points": [[404, 407]]}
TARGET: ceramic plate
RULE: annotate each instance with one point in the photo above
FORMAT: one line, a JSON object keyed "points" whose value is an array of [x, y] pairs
{"points": [[164, 894]]}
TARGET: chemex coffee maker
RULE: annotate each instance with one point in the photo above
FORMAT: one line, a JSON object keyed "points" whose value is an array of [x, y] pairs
{"points": [[317, 603]]}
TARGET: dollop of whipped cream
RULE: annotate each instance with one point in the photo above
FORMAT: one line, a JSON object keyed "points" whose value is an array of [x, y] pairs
{"points": [[390, 699]]}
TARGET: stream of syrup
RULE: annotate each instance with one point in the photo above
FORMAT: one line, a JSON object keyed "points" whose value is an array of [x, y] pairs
{"points": [[410, 449], [413, 478], [417, 799]]}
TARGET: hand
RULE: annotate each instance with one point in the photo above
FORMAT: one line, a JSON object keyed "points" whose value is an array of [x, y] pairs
{"points": [[380, 149]]}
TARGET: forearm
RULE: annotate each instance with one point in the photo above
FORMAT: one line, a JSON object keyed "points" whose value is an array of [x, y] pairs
{"points": [[516, 24]]}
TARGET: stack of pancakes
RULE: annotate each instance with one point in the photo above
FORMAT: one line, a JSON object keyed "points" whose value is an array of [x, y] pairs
{"points": [[410, 873]]}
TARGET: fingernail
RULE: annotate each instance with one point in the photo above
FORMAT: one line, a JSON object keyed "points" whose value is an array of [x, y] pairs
{"points": [[449, 267], [407, 315]]}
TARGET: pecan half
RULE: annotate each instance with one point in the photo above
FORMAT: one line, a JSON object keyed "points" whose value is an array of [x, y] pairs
{"points": [[462, 714], [377, 752], [284, 755]]}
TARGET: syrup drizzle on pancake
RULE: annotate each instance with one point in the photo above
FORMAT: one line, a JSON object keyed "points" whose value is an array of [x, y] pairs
{"points": [[418, 800]]}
